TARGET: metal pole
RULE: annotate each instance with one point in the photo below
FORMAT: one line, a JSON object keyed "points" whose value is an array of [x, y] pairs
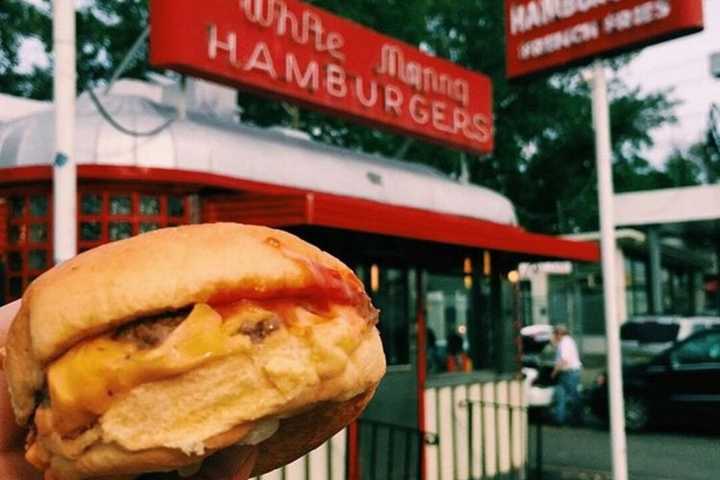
{"points": [[603, 154], [539, 449], [655, 252], [64, 171]]}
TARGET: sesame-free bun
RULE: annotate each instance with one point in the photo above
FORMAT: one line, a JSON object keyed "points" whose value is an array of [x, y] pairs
{"points": [[296, 375]]}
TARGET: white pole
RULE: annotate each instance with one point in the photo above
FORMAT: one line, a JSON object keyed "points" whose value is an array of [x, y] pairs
{"points": [[64, 171], [603, 156]]}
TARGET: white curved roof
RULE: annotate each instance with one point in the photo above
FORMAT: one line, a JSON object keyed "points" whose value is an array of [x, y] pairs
{"points": [[204, 144], [16, 107]]}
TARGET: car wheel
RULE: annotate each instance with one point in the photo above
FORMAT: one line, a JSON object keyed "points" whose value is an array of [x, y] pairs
{"points": [[637, 413]]}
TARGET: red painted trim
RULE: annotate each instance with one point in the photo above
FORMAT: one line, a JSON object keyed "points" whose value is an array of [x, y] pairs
{"points": [[3, 227], [368, 216], [350, 213], [421, 361], [14, 175], [310, 208], [353, 451], [10, 176]]}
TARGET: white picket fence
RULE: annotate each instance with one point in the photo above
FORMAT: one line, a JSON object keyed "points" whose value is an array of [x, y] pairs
{"points": [[482, 430], [327, 462], [481, 427]]}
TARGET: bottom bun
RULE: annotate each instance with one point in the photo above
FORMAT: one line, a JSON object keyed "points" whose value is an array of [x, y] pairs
{"points": [[305, 432], [295, 437]]}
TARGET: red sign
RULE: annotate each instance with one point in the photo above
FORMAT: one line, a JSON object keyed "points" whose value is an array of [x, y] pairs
{"points": [[295, 52], [544, 35]]}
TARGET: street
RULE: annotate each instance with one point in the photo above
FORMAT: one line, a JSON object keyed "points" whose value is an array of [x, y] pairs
{"points": [[575, 453]]}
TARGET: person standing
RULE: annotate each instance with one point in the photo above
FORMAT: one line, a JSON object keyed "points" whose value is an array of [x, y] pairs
{"points": [[457, 360], [567, 372]]}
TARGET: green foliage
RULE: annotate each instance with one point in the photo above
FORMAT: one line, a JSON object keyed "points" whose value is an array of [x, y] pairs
{"points": [[106, 31], [544, 155], [19, 21], [699, 163]]}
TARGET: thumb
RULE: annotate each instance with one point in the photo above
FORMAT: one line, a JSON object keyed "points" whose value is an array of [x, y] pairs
{"points": [[233, 463]]}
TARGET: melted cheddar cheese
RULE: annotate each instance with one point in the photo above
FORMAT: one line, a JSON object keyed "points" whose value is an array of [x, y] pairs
{"points": [[90, 377], [85, 381]]}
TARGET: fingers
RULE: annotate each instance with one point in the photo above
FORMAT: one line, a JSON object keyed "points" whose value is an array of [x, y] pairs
{"points": [[234, 463], [7, 313], [247, 466], [14, 466], [10, 434]]}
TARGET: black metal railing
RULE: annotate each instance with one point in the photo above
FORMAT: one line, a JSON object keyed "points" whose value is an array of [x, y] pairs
{"points": [[389, 451]]}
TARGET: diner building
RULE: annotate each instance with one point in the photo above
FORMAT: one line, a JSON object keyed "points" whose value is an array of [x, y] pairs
{"points": [[435, 255]]}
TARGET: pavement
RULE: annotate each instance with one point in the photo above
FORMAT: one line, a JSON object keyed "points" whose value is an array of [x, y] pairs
{"points": [[584, 454]]}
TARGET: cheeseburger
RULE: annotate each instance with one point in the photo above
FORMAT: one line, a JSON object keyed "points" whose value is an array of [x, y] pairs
{"points": [[151, 353]]}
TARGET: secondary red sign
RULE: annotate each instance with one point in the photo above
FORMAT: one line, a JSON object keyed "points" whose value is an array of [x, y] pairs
{"points": [[544, 35], [295, 52]]}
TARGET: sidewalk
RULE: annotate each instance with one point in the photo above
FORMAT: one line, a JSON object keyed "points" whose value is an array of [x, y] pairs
{"points": [[551, 472]]}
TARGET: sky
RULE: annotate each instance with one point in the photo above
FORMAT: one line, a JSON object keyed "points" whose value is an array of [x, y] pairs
{"points": [[684, 65]]}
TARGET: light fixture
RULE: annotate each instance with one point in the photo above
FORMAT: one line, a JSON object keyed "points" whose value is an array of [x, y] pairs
{"points": [[513, 276], [462, 329], [487, 264], [374, 278], [467, 266], [468, 281]]}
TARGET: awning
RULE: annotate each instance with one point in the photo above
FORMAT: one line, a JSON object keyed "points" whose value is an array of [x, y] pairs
{"points": [[371, 217], [277, 206]]}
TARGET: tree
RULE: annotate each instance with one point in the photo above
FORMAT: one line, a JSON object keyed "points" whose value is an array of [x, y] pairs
{"points": [[544, 155], [695, 165], [21, 20]]}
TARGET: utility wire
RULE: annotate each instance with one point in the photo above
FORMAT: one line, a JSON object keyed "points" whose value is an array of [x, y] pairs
{"points": [[114, 123], [126, 62], [129, 57]]}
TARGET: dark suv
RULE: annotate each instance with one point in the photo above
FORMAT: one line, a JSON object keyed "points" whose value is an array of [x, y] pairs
{"points": [[682, 382]]}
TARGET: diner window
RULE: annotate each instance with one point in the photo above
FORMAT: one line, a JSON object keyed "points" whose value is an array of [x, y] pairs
{"points": [[120, 230], [115, 215], [103, 216], [176, 206], [448, 313], [636, 287], [392, 291], [676, 291], [120, 205], [91, 204], [29, 249]]}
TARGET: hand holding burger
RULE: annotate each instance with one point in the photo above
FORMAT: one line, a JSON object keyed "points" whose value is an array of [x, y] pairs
{"points": [[229, 464], [12, 461], [186, 348]]}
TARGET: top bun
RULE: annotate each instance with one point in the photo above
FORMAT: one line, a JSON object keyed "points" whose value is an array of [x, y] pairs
{"points": [[165, 270]]}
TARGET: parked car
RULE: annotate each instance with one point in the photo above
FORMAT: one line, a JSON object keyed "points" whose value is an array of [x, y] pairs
{"points": [[682, 382], [537, 368], [644, 337]]}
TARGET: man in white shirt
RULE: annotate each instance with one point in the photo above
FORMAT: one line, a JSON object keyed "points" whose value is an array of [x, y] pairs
{"points": [[567, 371]]}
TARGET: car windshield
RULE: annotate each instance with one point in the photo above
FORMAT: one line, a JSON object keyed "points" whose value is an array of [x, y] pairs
{"points": [[534, 345], [649, 332]]}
